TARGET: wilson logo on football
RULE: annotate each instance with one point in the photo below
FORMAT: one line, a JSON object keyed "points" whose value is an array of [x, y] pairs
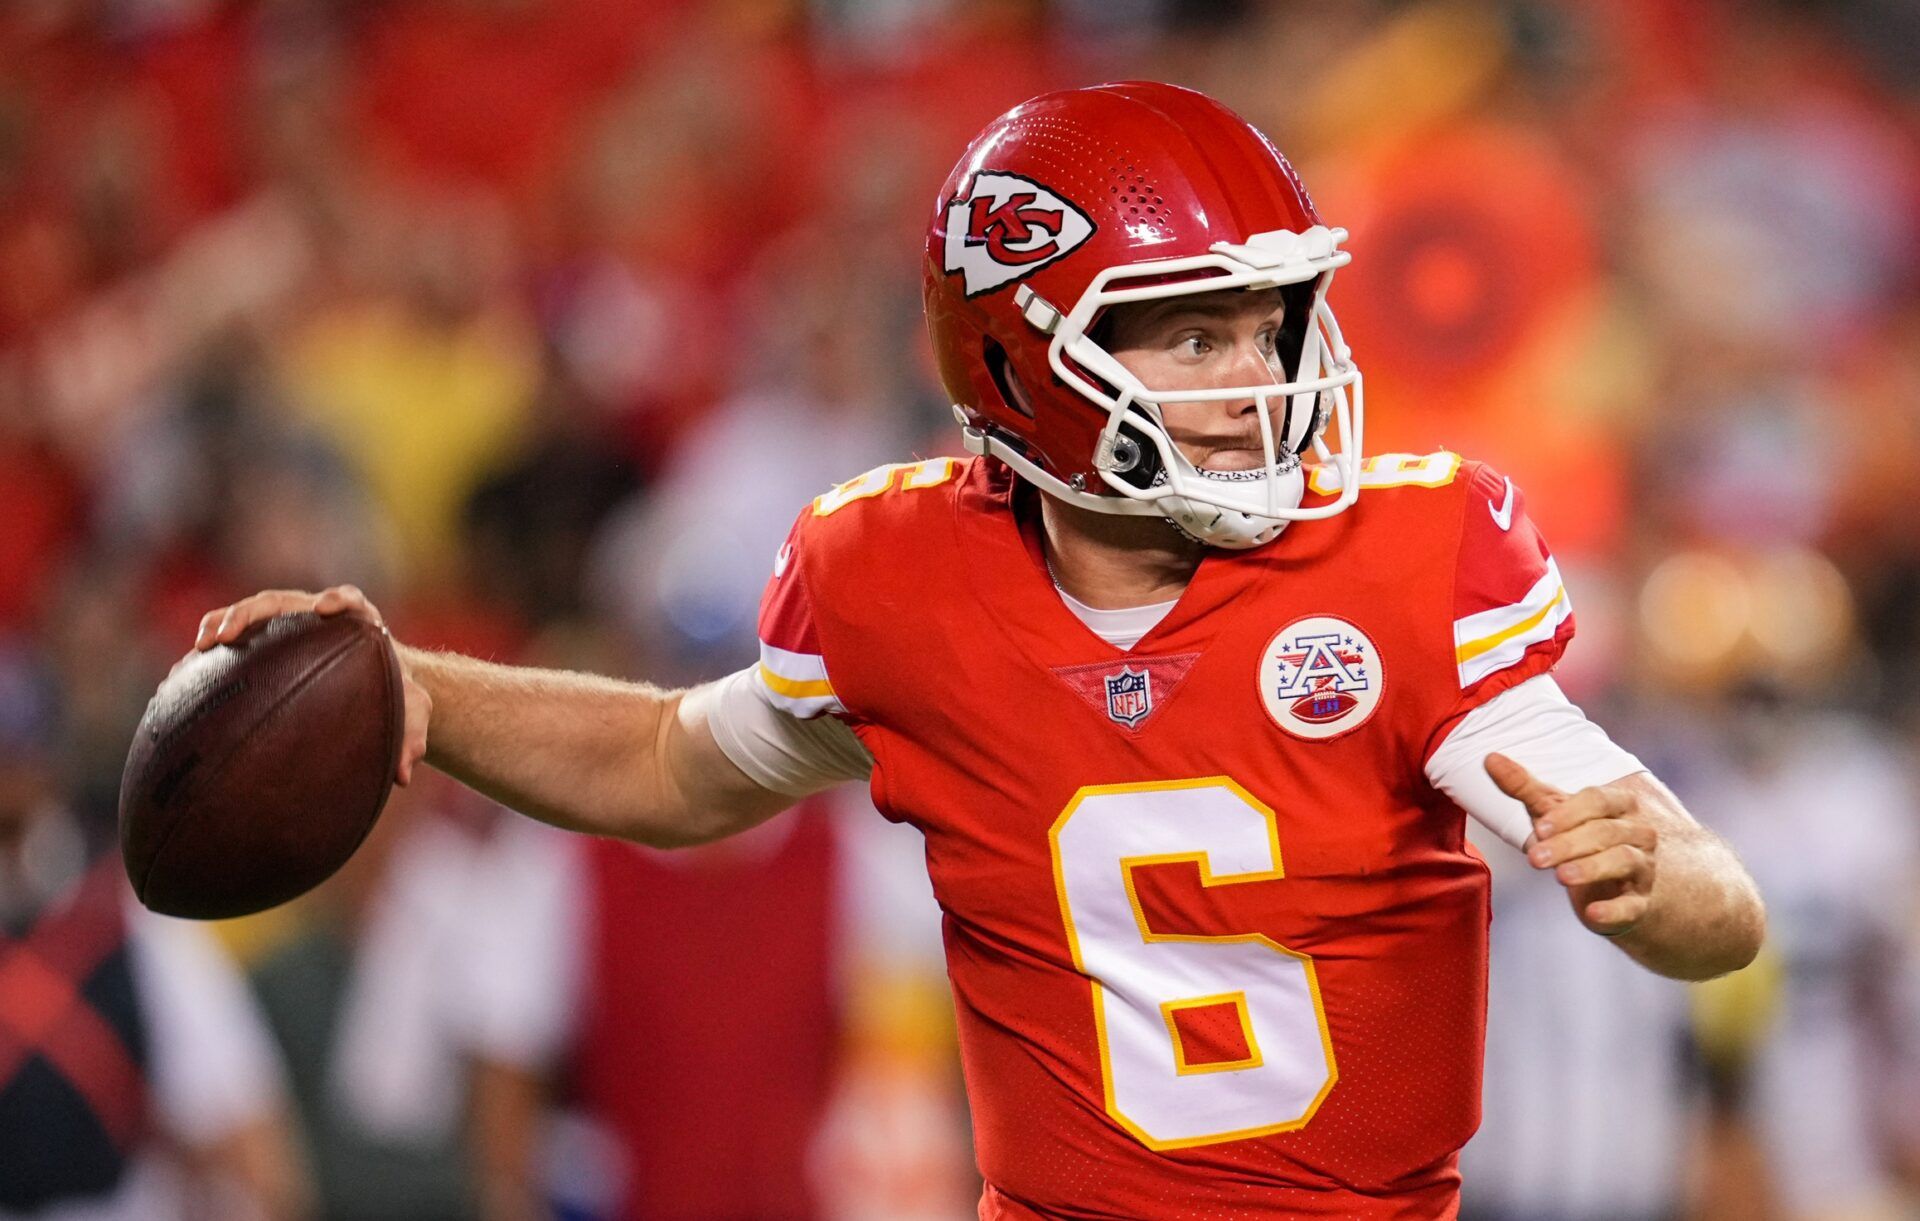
{"points": [[1008, 227], [1320, 677]]}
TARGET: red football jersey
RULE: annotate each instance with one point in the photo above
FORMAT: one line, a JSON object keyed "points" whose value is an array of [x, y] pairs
{"points": [[1217, 946]]}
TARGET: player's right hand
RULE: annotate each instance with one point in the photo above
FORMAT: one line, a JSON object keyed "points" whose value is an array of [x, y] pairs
{"points": [[227, 624]]}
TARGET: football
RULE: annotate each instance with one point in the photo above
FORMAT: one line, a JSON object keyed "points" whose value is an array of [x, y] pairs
{"points": [[260, 767]]}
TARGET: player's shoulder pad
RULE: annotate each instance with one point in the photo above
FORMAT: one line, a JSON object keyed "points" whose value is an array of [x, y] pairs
{"points": [[866, 510], [838, 543], [1416, 473], [1496, 532], [1483, 479], [885, 488], [858, 527], [1508, 596]]}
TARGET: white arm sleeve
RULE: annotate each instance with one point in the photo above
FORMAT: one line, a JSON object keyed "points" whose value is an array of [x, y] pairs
{"points": [[1536, 725], [777, 750], [216, 1067]]}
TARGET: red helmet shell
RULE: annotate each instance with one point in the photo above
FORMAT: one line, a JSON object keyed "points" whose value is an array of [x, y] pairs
{"points": [[1061, 188]]}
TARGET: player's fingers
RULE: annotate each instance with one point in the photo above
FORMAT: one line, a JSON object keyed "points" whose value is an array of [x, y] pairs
{"points": [[413, 745], [1522, 785], [1622, 863], [1588, 838], [258, 609], [348, 599], [1602, 801], [229, 623], [209, 623], [1615, 916]]}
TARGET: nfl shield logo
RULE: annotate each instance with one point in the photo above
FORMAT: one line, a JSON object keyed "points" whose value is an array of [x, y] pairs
{"points": [[1129, 696]]}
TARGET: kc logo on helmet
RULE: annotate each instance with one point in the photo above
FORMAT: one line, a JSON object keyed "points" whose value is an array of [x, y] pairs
{"points": [[1007, 227]]}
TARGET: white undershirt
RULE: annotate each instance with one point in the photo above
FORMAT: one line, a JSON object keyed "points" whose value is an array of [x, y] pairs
{"points": [[1121, 628], [1533, 723]]}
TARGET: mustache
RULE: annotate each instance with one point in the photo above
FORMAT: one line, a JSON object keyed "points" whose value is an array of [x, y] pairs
{"points": [[1284, 461]]}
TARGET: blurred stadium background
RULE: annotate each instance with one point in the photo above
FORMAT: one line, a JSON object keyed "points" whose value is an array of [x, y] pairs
{"points": [[539, 318]]}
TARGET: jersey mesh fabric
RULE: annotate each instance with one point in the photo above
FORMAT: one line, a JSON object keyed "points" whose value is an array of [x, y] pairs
{"points": [[924, 613]]}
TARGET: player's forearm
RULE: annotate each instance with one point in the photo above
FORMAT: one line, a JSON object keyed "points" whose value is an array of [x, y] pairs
{"points": [[1706, 918], [576, 750]]}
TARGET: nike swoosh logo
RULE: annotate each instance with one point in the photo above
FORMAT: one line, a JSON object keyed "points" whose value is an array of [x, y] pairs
{"points": [[781, 559], [1503, 516]]}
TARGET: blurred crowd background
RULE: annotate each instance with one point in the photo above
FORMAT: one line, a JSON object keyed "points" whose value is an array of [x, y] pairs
{"points": [[539, 319]]}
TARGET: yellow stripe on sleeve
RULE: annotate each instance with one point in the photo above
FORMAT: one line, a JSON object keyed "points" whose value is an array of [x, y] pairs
{"points": [[793, 688], [1486, 644]]}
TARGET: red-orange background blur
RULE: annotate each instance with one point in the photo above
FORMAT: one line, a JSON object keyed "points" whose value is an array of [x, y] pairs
{"points": [[538, 318]]}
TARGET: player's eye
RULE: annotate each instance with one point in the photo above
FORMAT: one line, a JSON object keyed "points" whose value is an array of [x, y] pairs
{"points": [[1192, 344]]}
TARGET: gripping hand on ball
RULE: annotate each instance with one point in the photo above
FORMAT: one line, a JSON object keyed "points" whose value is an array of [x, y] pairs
{"points": [[227, 624]]}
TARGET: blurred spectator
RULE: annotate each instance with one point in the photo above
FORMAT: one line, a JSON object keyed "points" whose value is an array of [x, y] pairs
{"points": [[1825, 815], [424, 379], [40, 502], [682, 567], [1586, 1102], [137, 1081], [706, 1069], [530, 524], [372, 999], [692, 1082]]}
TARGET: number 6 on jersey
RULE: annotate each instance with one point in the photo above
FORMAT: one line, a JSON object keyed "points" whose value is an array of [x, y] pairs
{"points": [[1175, 1072]]}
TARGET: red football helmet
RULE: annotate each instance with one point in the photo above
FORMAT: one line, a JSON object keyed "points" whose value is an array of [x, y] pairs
{"points": [[1086, 198]]}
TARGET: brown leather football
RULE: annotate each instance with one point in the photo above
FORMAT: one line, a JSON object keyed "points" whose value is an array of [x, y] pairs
{"points": [[259, 767]]}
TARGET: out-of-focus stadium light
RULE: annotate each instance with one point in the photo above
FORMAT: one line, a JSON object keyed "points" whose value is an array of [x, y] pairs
{"points": [[1709, 619], [1802, 610], [1694, 609]]}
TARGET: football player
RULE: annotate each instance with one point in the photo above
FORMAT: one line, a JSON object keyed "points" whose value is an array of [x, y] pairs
{"points": [[1189, 700]]}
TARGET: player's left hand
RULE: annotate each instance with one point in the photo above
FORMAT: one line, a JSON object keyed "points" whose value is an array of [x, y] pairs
{"points": [[1599, 842]]}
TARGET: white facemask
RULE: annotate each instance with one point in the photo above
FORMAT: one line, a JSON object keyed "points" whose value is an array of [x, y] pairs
{"points": [[1235, 509]]}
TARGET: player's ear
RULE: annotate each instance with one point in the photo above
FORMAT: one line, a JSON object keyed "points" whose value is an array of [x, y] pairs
{"points": [[1019, 390], [1011, 388]]}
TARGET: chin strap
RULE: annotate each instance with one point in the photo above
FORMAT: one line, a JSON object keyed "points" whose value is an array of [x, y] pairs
{"points": [[973, 440], [1211, 534]]}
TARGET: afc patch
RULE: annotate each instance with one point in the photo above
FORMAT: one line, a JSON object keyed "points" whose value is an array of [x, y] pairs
{"points": [[1320, 677]]}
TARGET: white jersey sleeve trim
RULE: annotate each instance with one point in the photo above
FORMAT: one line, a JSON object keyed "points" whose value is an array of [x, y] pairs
{"points": [[797, 683], [788, 752], [1492, 640], [1536, 725]]}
